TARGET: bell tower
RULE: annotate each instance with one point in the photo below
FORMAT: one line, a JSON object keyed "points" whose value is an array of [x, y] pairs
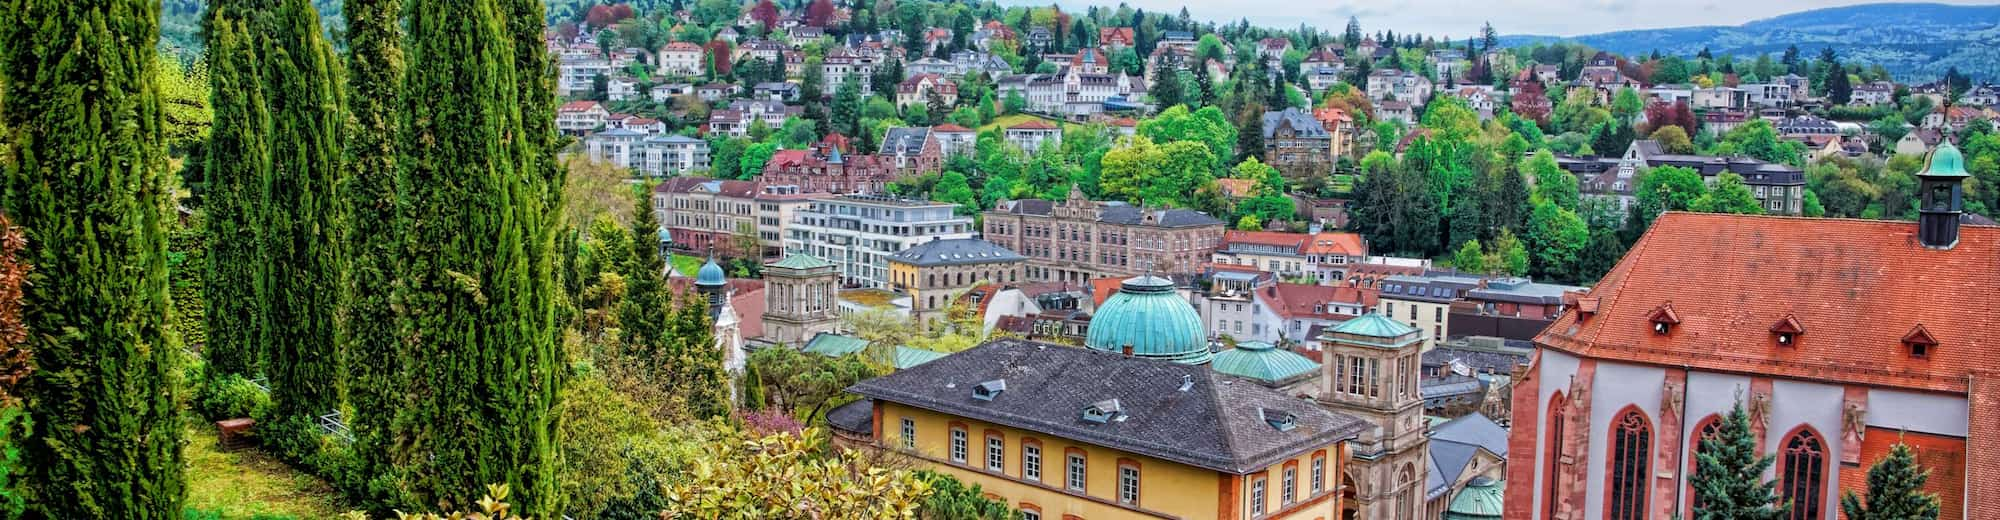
{"points": [[1941, 197], [799, 292], [1371, 370]]}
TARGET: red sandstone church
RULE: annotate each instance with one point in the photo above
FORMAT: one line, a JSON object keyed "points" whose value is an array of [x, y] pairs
{"points": [[1840, 337]]}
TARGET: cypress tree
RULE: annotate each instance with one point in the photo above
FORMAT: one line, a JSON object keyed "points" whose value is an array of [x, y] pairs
{"points": [[82, 176], [300, 223], [1729, 475], [1895, 490], [238, 155], [481, 196], [375, 385]]}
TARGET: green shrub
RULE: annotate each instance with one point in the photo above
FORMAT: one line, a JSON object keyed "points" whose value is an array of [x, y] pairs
{"points": [[231, 396]]}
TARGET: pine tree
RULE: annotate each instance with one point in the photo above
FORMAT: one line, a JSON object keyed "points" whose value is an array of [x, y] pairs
{"points": [[375, 384], [640, 314], [238, 155], [1729, 475], [1895, 490], [82, 177], [299, 224], [692, 363], [482, 195]]}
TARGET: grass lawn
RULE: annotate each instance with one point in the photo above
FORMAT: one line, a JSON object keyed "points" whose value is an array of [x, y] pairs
{"points": [[1004, 121], [249, 483], [687, 264]]}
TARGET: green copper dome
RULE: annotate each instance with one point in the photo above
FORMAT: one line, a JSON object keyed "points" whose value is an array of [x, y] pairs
{"points": [[1261, 361], [710, 274], [1480, 500], [1155, 322], [1946, 161]]}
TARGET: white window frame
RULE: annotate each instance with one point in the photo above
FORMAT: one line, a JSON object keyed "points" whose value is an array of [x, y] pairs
{"points": [[1078, 469], [1289, 493], [1257, 497], [909, 434], [1031, 462], [958, 445], [996, 454], [1318, 475], [1128, 484]]}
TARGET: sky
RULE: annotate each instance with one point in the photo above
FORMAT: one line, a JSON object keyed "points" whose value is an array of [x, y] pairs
{"points": [[1459, 18]]}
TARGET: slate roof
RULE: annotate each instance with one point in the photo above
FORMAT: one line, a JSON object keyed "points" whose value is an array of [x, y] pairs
{"points": [[1171, 218], [1217, 423], [907, 140], [854, 417], [955, 251], [1858, 287], [1304, 126], [1456, 442]]}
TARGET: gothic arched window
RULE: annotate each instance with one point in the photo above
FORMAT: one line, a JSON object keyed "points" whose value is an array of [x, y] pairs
{"points": [[1631, 455], [1802, 474], [1708, 428], [1551, 470]]}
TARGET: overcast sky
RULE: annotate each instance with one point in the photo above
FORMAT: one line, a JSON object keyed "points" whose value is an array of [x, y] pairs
{"points": [[1461, 18]]}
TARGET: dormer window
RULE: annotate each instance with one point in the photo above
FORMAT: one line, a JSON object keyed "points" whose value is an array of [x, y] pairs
{"points": [[988, 390], [1786, 332], [1920, 342], [1102, 411], [1281, 420], [1663, 319]]}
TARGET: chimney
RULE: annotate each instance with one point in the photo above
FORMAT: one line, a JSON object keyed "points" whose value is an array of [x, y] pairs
{"points": [[1127, 350]]}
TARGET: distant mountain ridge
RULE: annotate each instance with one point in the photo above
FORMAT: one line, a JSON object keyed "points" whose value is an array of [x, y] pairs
{"points": [[1916, 42]]}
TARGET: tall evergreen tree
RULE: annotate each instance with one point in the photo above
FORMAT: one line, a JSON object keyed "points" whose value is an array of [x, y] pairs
{"points": [[375, 383], [1895, 490], [299, 224], [1729, 475], [82, 176], [481, 196], [238, 155], [640, 323]]}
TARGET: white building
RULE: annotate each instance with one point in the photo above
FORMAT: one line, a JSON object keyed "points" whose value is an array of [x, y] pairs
{"points": [[857, 233], [652, 155], [575, 72], [1398, 85], [577, 117], [680, 59]]}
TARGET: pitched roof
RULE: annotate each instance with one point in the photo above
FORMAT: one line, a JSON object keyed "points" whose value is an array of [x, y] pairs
{"points": [[834, 345], [1300, 300], [1033, 124], [1263, 362], [1858, 286], [907, 357], [1336, 242], [800, 261], [955, 251], [1218, 422], [1303, 125], [577, 106]]}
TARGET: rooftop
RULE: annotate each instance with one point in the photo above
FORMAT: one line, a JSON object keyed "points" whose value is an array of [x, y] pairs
{"points": [[1858, 288], [955, 251], [1184, 414]]}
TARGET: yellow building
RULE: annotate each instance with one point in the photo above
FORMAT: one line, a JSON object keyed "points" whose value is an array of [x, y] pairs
{"points": [[1065, 433], [934, 273]]}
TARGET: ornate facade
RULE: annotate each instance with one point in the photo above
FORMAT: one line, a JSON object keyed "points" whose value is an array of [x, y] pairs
{"points": [[1371, 370], [799, 291], [1077, 240]]}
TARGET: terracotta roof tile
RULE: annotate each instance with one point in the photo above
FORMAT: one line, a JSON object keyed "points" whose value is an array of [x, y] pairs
{"points": [[1862, 287]]}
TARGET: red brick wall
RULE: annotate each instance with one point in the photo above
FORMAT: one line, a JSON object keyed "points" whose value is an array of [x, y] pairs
{"points": [[1983, 466], [1525, 427]]}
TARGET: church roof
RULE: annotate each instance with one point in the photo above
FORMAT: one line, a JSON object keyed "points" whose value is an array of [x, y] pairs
{"points": [[1481, 499], [710, 274], [1263, 362], [1858, 286], [1182, 414], [1152, 319], [1946, 161]]}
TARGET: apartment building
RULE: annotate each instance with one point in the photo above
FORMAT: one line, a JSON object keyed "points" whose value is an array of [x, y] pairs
{"points": [[858, 233]]}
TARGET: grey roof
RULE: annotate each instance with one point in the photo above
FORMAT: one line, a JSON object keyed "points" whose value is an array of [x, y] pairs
{"points": [[1302, 123], [855, 417], [1216, 423], [1172, 218], [1479, 360], [909, 140], [1432, 388], [955, 251], [1454, 444]]}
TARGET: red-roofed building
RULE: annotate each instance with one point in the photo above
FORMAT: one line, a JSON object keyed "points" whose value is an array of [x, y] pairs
{"points": [[579, 117], [827, 168], [1840, 338], [917, 90], [1115, 37], [1325, 256]]}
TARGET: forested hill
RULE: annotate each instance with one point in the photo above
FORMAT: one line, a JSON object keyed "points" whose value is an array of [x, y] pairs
{"points": [[1915, 42]]}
